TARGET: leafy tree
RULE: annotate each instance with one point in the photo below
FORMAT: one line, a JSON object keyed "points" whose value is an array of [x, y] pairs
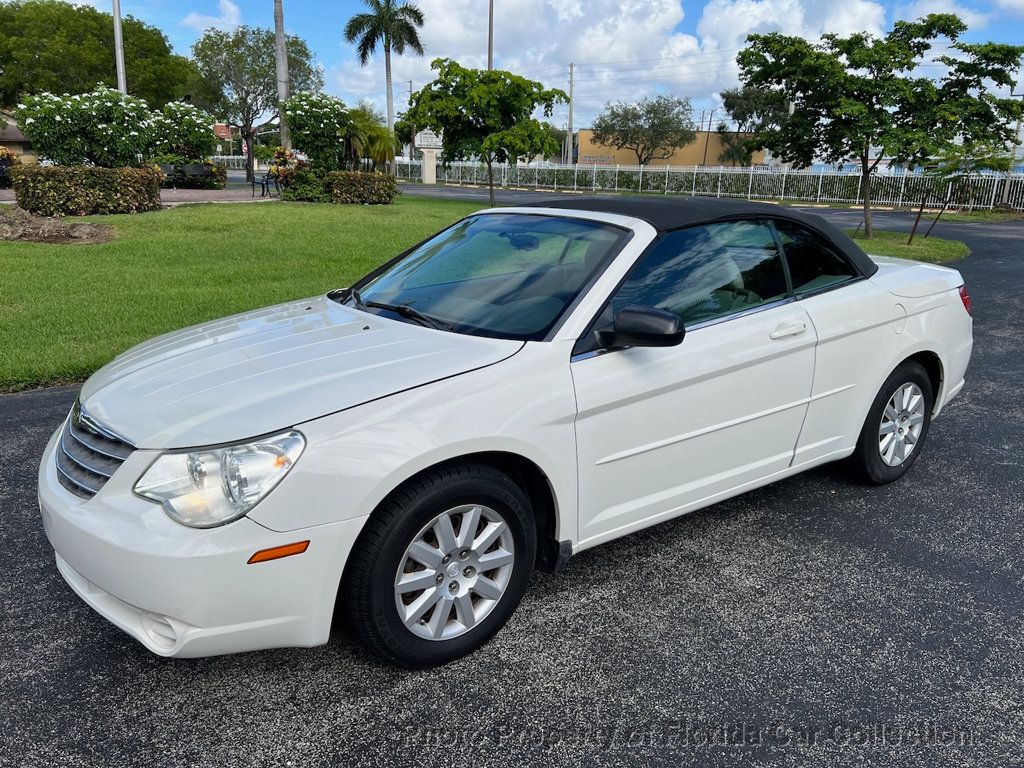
{"points": [[104, 127], [486, 114], [558, 134], [652, 128], [392, 26], [752, 111], [239, 70], [317, 123], [183, 130], [46, 45], [857, 96], [405, 132]]}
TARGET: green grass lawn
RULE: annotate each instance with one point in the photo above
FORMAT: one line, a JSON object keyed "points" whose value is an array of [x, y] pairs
{"points": [[65, 310], [932, 249]]}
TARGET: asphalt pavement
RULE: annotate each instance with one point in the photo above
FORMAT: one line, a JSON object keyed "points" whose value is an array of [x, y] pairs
{"points": [[813, 622]]}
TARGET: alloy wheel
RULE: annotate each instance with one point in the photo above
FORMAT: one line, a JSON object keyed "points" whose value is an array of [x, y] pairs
{"points": [[901, 424], [454, 572]]}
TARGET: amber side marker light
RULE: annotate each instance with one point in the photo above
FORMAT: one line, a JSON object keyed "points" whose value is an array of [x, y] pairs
{"points": [[275, 553]]}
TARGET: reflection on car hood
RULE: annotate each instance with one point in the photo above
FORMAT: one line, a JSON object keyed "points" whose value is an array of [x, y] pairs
{"points": [[270, 369]]}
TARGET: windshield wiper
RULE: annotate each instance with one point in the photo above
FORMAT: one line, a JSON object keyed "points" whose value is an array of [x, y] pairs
{"points": [[406, 311], [399, 309]]}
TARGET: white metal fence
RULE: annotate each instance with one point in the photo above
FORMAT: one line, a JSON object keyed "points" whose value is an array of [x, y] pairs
{"points": [[887, 189]]}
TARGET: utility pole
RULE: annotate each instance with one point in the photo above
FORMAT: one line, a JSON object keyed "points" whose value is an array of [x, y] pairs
{"points": [[490, 35], [122, 82], [281, 67], [707, 135], [569, 143]]}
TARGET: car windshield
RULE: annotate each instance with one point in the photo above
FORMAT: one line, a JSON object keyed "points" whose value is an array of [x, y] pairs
{"points": [[502, 275]]}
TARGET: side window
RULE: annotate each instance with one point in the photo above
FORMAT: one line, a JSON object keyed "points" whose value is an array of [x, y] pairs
{"points": [[706, 272], [813, 263]]}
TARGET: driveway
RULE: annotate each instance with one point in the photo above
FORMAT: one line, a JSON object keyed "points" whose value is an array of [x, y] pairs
{"points": [[810, 623]]}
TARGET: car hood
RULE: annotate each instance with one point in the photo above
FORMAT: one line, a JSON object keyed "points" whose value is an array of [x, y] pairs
{"points": [[271, 369]]}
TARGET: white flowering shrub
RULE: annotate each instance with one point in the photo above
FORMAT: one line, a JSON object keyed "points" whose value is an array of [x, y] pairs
{"points": [[103, 128], [317, 123], [182, 130]]}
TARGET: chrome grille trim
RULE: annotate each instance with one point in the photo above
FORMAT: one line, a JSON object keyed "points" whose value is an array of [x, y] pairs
{"points": [[87, 454]]}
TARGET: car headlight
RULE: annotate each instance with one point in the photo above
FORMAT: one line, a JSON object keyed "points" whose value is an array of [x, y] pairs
{"points": [[209, 487]]}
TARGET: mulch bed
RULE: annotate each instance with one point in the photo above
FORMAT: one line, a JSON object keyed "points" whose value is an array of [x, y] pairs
{"points": [[20, 225]]}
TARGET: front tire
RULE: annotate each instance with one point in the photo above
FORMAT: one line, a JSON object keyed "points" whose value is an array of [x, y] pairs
{"points": [[440, 565], [896, 426]]}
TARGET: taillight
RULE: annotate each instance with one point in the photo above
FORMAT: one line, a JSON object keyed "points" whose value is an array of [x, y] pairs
{"points": [[966, 299]]}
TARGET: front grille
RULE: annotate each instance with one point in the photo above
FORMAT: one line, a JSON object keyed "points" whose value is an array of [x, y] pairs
{"points": [[88, 454]]}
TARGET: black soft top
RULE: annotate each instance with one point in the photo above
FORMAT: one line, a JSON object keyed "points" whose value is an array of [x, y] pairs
{"points": [[668, 213]]}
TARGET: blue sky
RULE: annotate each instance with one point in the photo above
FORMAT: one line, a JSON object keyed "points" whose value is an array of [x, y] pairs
{"points": [[623, 49]]}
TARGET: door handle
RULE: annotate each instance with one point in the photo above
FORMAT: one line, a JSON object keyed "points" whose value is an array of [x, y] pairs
{"points": [[787, 329]]}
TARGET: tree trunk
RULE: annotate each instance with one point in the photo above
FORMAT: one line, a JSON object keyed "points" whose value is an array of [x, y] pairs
{"points": [[391, 101], [490, 179], [250, 171], [281, 67], [865, 186]]}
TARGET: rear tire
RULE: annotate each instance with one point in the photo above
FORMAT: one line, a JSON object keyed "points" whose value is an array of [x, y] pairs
{"points": [[896, 426], [440, 565]]}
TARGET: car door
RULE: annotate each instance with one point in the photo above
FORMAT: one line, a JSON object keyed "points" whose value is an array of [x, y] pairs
{"points": [[855, 322], [664, 430]]}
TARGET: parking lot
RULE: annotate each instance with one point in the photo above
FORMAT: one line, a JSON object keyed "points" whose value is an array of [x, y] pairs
{"points": [[813, 622]]}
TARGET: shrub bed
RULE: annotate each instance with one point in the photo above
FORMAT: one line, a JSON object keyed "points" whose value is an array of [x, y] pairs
{"points": [[362, 188], [81, 191], [306, 185]]}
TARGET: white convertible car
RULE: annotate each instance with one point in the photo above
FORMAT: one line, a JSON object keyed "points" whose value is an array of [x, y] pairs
{"points": [[524, 385]]}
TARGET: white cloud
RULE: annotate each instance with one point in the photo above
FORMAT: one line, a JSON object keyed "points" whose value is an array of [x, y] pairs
{"points": [[972, 18], [1017, 6], [230, 17], [623, 49]]}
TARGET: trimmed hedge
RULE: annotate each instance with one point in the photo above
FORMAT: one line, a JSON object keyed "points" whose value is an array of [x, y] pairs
{"points": [[362, 188], [306, 185], [80, 191]]}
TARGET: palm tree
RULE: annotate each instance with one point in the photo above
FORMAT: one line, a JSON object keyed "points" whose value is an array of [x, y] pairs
{"points": [[281, 69], [394, 27]]}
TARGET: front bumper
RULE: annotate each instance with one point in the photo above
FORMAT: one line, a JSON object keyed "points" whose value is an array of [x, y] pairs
{"points": [[187, 592]]}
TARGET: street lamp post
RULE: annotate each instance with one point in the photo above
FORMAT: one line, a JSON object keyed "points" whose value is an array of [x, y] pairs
{"points": [[122, 82]]}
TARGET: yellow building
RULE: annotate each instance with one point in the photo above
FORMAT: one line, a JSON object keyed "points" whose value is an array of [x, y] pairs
{"points": [[12, 137], [591, 153]]}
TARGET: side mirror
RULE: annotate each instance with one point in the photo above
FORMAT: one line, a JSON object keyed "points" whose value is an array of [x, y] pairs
{"points": [[639, 326]]}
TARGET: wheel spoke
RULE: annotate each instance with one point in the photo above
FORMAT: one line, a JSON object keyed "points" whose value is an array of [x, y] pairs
{"points": [[445, 533], [889, 452], [495, 559], [488, 536], [468, 526], [891, 414], [422, 552], [905, 394], [909, 438], [886, 441], [888, 427], [419, 607], [464, 611], [915, 419], [439, 618], [411, 582], [486, 587]]}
